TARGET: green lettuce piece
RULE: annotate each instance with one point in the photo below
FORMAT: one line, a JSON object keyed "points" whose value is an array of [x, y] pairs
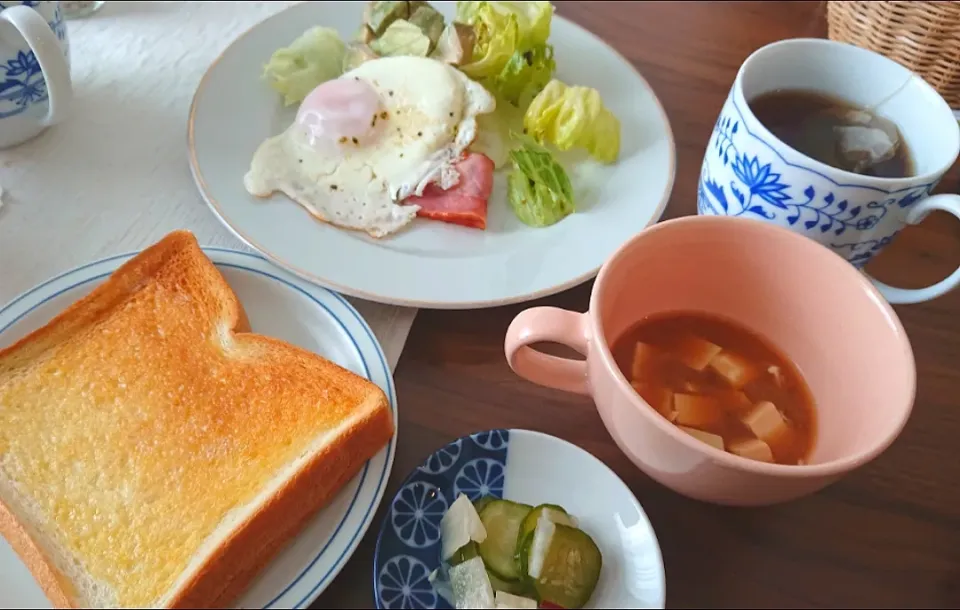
{"points": [[538, 188], [511, 57], [569, 117], [379, 15], [402, 38], [533, 18], [430, 22], [524, 76], [315, 57], [497, 38]]}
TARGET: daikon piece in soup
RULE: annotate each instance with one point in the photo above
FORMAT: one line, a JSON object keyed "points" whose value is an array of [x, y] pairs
{"points": [[721, 384]]}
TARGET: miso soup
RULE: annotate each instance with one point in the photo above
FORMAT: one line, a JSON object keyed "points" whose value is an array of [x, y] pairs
{"points": [[721, 384]]}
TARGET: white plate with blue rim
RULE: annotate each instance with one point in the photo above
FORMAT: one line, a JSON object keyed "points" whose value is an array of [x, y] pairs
{"points": [[282, 306], [430, 264], [527, 467]]}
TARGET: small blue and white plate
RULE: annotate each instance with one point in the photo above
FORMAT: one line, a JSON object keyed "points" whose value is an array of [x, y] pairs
{"points": [[278, 305], [531, 468]]}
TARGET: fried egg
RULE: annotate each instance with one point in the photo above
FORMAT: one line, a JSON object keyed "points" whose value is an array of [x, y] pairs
{"points": [[366, 141]]}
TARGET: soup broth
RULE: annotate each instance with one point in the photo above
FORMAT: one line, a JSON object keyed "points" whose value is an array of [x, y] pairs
{"points": [[720, 383], [834, 132]]}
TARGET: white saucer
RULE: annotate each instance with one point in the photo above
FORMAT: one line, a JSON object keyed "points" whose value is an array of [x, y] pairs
{"points": [[430, 264], [527, 467], [277, 305]]}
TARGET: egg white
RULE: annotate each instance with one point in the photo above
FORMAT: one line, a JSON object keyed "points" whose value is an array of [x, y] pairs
{"points": [[427, 119]]}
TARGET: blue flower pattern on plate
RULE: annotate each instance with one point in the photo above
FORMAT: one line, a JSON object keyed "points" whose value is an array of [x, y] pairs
{"points": [[492, 440], [443, 460], [754, 185], [21, 81], [409, 546], [478, 478], [416, 514], [404, 582]]}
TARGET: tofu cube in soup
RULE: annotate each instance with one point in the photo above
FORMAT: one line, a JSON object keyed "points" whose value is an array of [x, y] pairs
{"points": [[737, 370], [752, 448], [696, 411], [714, 440], [645, 358], [658, 397], [693, 351], [765, 421]]}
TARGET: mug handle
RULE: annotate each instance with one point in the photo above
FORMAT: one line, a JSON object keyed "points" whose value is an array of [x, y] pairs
{"points": [[45, 46], [946, 202], [555, 325]]}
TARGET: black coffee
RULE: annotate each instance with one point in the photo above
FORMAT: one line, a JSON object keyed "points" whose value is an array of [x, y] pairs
{"points": [[834, 132]]}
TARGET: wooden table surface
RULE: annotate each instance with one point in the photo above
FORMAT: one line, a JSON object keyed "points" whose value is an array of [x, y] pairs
{"points": [[886, 536]]}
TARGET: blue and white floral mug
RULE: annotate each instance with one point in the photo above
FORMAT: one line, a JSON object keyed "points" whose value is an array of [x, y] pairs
{"points": [[748, 172], [35, 88]]}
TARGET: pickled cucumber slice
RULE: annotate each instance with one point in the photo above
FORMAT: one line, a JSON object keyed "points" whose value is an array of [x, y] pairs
{"points": [[563, 563], [516, 587], [481, 502], [502, 520], [551, 512], [555, 513]]}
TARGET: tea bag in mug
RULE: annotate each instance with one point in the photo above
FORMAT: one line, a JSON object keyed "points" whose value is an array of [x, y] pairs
{"points": [[865, 140]]}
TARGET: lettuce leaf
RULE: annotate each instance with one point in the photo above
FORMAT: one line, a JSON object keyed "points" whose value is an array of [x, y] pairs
{"points": [[569, 117], [524, 76], [497, 38], [511, 57], [315, 57], [533, 18], [538, 188], [402, 38]]}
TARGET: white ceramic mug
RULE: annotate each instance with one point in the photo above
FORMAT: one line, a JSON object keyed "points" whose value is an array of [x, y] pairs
{"points": [[35, 88], [748, 172]]}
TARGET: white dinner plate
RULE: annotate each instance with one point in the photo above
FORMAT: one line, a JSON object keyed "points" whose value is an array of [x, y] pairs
{"points": [[527, 467], [282, 306], [430, 264]]}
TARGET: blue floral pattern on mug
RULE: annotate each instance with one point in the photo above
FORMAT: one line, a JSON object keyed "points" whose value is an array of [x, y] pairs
{"points": [[744, 175], [408, 550], [21, 80]]}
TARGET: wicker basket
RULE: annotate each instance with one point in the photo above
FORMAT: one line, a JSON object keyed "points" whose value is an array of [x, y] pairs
{"points": [[923, 36]]}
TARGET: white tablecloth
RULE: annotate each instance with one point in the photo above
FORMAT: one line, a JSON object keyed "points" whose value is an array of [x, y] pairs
{"points": [[114, 177]]}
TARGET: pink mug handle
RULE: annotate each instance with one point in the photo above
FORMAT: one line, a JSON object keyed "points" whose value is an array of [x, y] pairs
{"points": [[555, 325]]}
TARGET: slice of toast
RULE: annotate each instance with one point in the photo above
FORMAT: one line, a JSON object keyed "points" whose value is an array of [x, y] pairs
{"points": [[154, 453]]}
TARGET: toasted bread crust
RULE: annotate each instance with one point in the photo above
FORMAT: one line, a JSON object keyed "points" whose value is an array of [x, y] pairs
{"points": [[60, 594], [229, 571], [251, 544]]}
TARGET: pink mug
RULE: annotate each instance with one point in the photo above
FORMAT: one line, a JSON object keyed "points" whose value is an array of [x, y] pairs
{"points": [[815, 307]]}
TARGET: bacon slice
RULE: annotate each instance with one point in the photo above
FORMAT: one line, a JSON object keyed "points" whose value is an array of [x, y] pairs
{"points": [[466, 202]]}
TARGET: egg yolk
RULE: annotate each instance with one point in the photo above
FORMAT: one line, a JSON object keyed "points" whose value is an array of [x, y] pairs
{"points": [[337, 109]]}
